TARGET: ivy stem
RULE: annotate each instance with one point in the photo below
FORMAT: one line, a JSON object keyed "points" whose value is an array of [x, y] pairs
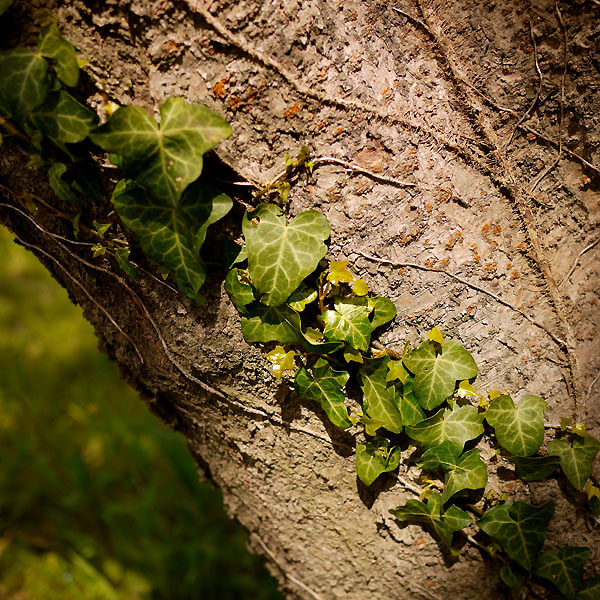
{"points": [[392, 353], [12, 130]]}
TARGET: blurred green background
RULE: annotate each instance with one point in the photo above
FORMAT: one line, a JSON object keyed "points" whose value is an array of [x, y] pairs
{"points": [[98, 500]]}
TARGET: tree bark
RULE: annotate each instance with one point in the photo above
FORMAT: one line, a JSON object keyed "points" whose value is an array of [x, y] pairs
{"points": [[458, 161]]}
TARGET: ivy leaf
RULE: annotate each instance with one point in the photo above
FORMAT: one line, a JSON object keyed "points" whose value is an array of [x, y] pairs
{"points": [[520, 430], [281, 361], [122, 256], [576, 460], [410, 409], [239, 292], [380, 398], [59, 186], [534, 468], [371, 425], [349, 322], [520, 529], [24, 81], [397, 371], [511, 575], [325, 387], [171, 234], [374, 458], [360, 287], [436, 375], [4, 5], [167, 159], [63, 119], [339, 272], [384, 310], [463, 472], [280, 254], [353, 355], [301, 297], [590, 589], [445, 524], [270, 324], [53, 45], [564, 569], [457, 425], [232, 254]]}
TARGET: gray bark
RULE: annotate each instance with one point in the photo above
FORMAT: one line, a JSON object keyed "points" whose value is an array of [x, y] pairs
{"points": [[439, 99]]}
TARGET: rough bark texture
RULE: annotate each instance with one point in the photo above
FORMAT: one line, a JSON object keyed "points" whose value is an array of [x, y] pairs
{"points": [[437, 93]]}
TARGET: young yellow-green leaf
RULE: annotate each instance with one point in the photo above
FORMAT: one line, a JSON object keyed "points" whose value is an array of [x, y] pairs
{"points": [[396, 371], [576, 459], [463, 472], [360, 287], [371, 425], [353, 355], [164, 160], [520, 429], [240, 293], [534, 468], [564, 569], [4, 4], [325, 387], [24, 81], [349, 322], [63, 119], [590, 589], [435, 335], [59, 186], [466, 390], [301, 297], [519, 528], [436, 375], [380, 398], [565, 422], [512, 576], [280, 254], [444, 524], [374, 458], [271, 324], [457, 425], [122, 256], [170, 234], [384, 310], [53, 45], [281, 361], [339, 273]]}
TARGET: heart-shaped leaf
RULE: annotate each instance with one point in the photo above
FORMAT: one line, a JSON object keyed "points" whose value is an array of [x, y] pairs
{"points": [[374, 458], [164, 160], [280, 254], [576, 460], [53, 45], [271, 324], [24, 81], [520, 430], [519, 528], [436, 374], [463, 472], [379, 396], [63, 119], [564, 569], [240, 292], [534, 468], [457, 425], [384, 310], [512, 576], [325, 387], [171, 234], [349, 322], [444, 524]]}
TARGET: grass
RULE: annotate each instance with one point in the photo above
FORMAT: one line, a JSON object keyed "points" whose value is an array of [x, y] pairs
{"points": [[98, 500]]}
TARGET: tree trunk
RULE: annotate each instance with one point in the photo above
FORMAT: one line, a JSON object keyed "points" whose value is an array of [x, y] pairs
{"points": [[459, 166]]}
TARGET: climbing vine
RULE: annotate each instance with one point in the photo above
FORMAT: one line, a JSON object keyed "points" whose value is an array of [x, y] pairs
{"points": [[316, 320]]}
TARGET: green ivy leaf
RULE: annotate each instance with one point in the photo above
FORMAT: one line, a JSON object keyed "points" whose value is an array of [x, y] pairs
{"points": [[436, 375], [353, 355], [397, 371], [165, 160], [232, 254], [520, 529], [24, 81], [463, 472], [301, 297], [270, 324], [374, 458], [240, 293], [410, 409], [59, 186], [4, 4], [349, 322], [64, 120], [122, 256], [325, 387], [534, 468], [445, 524], [511, 575], [384, 310], [371, 425], [457, 425], [169, 233], [520, 430], [590, 589], [53, 45], [379, 397], [280, 254], [576, 460], [564, 569]]}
